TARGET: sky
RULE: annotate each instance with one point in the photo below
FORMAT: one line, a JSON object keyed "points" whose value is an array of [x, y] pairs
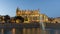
{"points": [[49, 7]]}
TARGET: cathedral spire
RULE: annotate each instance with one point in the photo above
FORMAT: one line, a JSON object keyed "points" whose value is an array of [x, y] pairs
{"points": [[17, 9]]}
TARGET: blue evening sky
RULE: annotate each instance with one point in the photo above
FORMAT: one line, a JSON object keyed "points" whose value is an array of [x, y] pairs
{"points": [[49, 7]]}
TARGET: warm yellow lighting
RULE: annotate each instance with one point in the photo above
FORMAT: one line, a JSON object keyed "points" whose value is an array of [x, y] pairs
{"points": [[18, 21], [13, 31], [32, 15]]}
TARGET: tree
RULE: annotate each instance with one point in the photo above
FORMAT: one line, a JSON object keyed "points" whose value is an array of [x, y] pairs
{"points": [[0, 18], [7, 18], [19, 18], [51, 19]]}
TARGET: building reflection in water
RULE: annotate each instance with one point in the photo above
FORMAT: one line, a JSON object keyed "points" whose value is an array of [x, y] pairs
{"points": [[28, 31], [31, 31], [53, 31], [20, 31]]}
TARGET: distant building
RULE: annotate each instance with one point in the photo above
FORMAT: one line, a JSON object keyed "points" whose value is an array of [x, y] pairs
{"points": [[32, 15], [54, 20], [44, 18], [57, 20]]}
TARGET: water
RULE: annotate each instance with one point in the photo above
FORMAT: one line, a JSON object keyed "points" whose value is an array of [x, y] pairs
{"points": [[42, 27]]}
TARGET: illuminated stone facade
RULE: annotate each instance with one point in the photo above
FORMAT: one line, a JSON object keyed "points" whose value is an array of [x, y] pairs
{"points": [[56, 20], [31, 15], [43, 18]]}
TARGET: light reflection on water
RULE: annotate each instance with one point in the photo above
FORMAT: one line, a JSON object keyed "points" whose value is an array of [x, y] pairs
{"points": [[30, 31], [7, 31], [11, 31]]}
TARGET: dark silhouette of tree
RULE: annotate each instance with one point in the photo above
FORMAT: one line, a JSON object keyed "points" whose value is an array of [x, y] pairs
{"points": [[21, 19], [51, 19], [12, 20], [0, 18], [7, 18]]}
